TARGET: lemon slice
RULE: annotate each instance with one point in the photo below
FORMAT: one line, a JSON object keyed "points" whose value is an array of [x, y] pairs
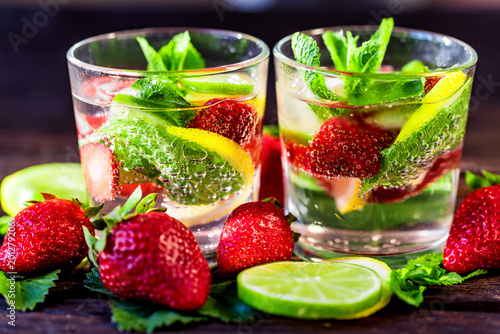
{"points": [[235, 155], [345, 192], [310, 290], [382, 270], [443, 94]]}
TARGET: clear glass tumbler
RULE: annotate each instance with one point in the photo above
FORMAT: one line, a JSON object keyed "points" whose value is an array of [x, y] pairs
{"points": [[189, 131], [374, 171]]}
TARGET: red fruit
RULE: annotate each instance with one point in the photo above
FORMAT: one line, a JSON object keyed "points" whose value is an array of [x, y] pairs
{"points": [[87, 124], [271, 175], [474, 241], [441, 166], [100, 171], [298, 156], [254, 233], [231, 119], [155, 258], [430, 82], [104, 88], [46, 236], [347, 147]]}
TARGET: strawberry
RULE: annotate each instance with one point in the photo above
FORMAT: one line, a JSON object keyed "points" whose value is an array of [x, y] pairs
{"points": [[147, 188], [348, 147], [298, 156], [100, 171], [430, 82], [47, 236], [152, 257], [441, 166], [254, 233], [231, 119], [271, 175], [86, 124], [474, 240]]}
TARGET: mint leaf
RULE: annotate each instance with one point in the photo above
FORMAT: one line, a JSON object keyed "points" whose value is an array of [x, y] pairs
{"points": [[402, 160], [93, 282], [381, 37], [337, 46], [26, 293], [414, 66], [227, 309], [409, 283], [180, 54], [155, 61], [306, 51], [145, 318], [160, 91], [190, 174]]}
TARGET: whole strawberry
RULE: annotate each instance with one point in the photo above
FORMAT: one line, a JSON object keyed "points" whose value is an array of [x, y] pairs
{"points": [[150, 256], [46, 236], [271, 175], [474, 240], [254, 233], [231, 119], [348, 147]]}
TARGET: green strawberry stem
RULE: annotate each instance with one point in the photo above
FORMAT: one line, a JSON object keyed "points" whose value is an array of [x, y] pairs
{"points": [[476, 181]]}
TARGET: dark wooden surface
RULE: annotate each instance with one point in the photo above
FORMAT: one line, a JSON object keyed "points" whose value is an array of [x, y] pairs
{"points": [[473, 307]]}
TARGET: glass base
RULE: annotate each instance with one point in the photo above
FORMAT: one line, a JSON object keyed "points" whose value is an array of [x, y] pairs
{"points": [[395, 260]]}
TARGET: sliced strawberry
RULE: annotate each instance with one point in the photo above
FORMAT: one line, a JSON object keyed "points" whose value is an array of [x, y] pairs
{"points": [[441, 166], [348, 147], [147, 188], [229, 118], [298, 156], [100, 171], [430, 82], [104, 88]]}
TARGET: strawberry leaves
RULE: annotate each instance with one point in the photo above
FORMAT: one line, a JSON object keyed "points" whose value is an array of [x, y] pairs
{"points": [[25, 293], [476, 181], [222, 304]]}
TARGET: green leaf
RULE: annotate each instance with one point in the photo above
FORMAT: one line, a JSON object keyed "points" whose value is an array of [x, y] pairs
{"points": [[101, 243], [161, 92], [142, 318], [382, 37], [131, 202], [180, 54], [475, 181], [154, 59], [493, 179], [25, 294], [337, 46], [226, 306], [93, 282], [409, 283], [91, 242], [220, 288], [93, 211], [4, 224], [146, 204]]}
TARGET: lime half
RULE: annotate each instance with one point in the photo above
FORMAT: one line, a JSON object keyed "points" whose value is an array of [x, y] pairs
{"points": [[310, 290], [382, 270], [65, 180]]}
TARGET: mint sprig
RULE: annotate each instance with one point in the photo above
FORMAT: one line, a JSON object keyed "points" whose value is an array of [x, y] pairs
{"points": [[25, 293], [410, 283]]}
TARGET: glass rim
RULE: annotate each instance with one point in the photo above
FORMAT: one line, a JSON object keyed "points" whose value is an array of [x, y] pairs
{"points": [[263, 55], [278, 54]]}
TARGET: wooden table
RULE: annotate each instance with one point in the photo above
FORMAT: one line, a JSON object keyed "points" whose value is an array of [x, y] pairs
{"points": [[473, 307]]}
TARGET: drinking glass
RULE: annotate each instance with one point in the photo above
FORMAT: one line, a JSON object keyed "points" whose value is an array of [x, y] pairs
{"points": [[200, 170], [399, 201]]}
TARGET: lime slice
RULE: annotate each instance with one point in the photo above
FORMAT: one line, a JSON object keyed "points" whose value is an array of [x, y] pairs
{"points": [[231, 84], [382, 270], [443, 94], [65, 180], [310, 290]]}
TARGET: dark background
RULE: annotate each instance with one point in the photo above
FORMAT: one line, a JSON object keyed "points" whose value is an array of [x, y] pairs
{"points": [[34, 85]]}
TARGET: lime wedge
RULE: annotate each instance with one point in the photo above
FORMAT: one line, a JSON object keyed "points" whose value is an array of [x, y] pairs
{"points": [[310, 290], [231, 84], [65, 180], [382, 270], [443, 94]]}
